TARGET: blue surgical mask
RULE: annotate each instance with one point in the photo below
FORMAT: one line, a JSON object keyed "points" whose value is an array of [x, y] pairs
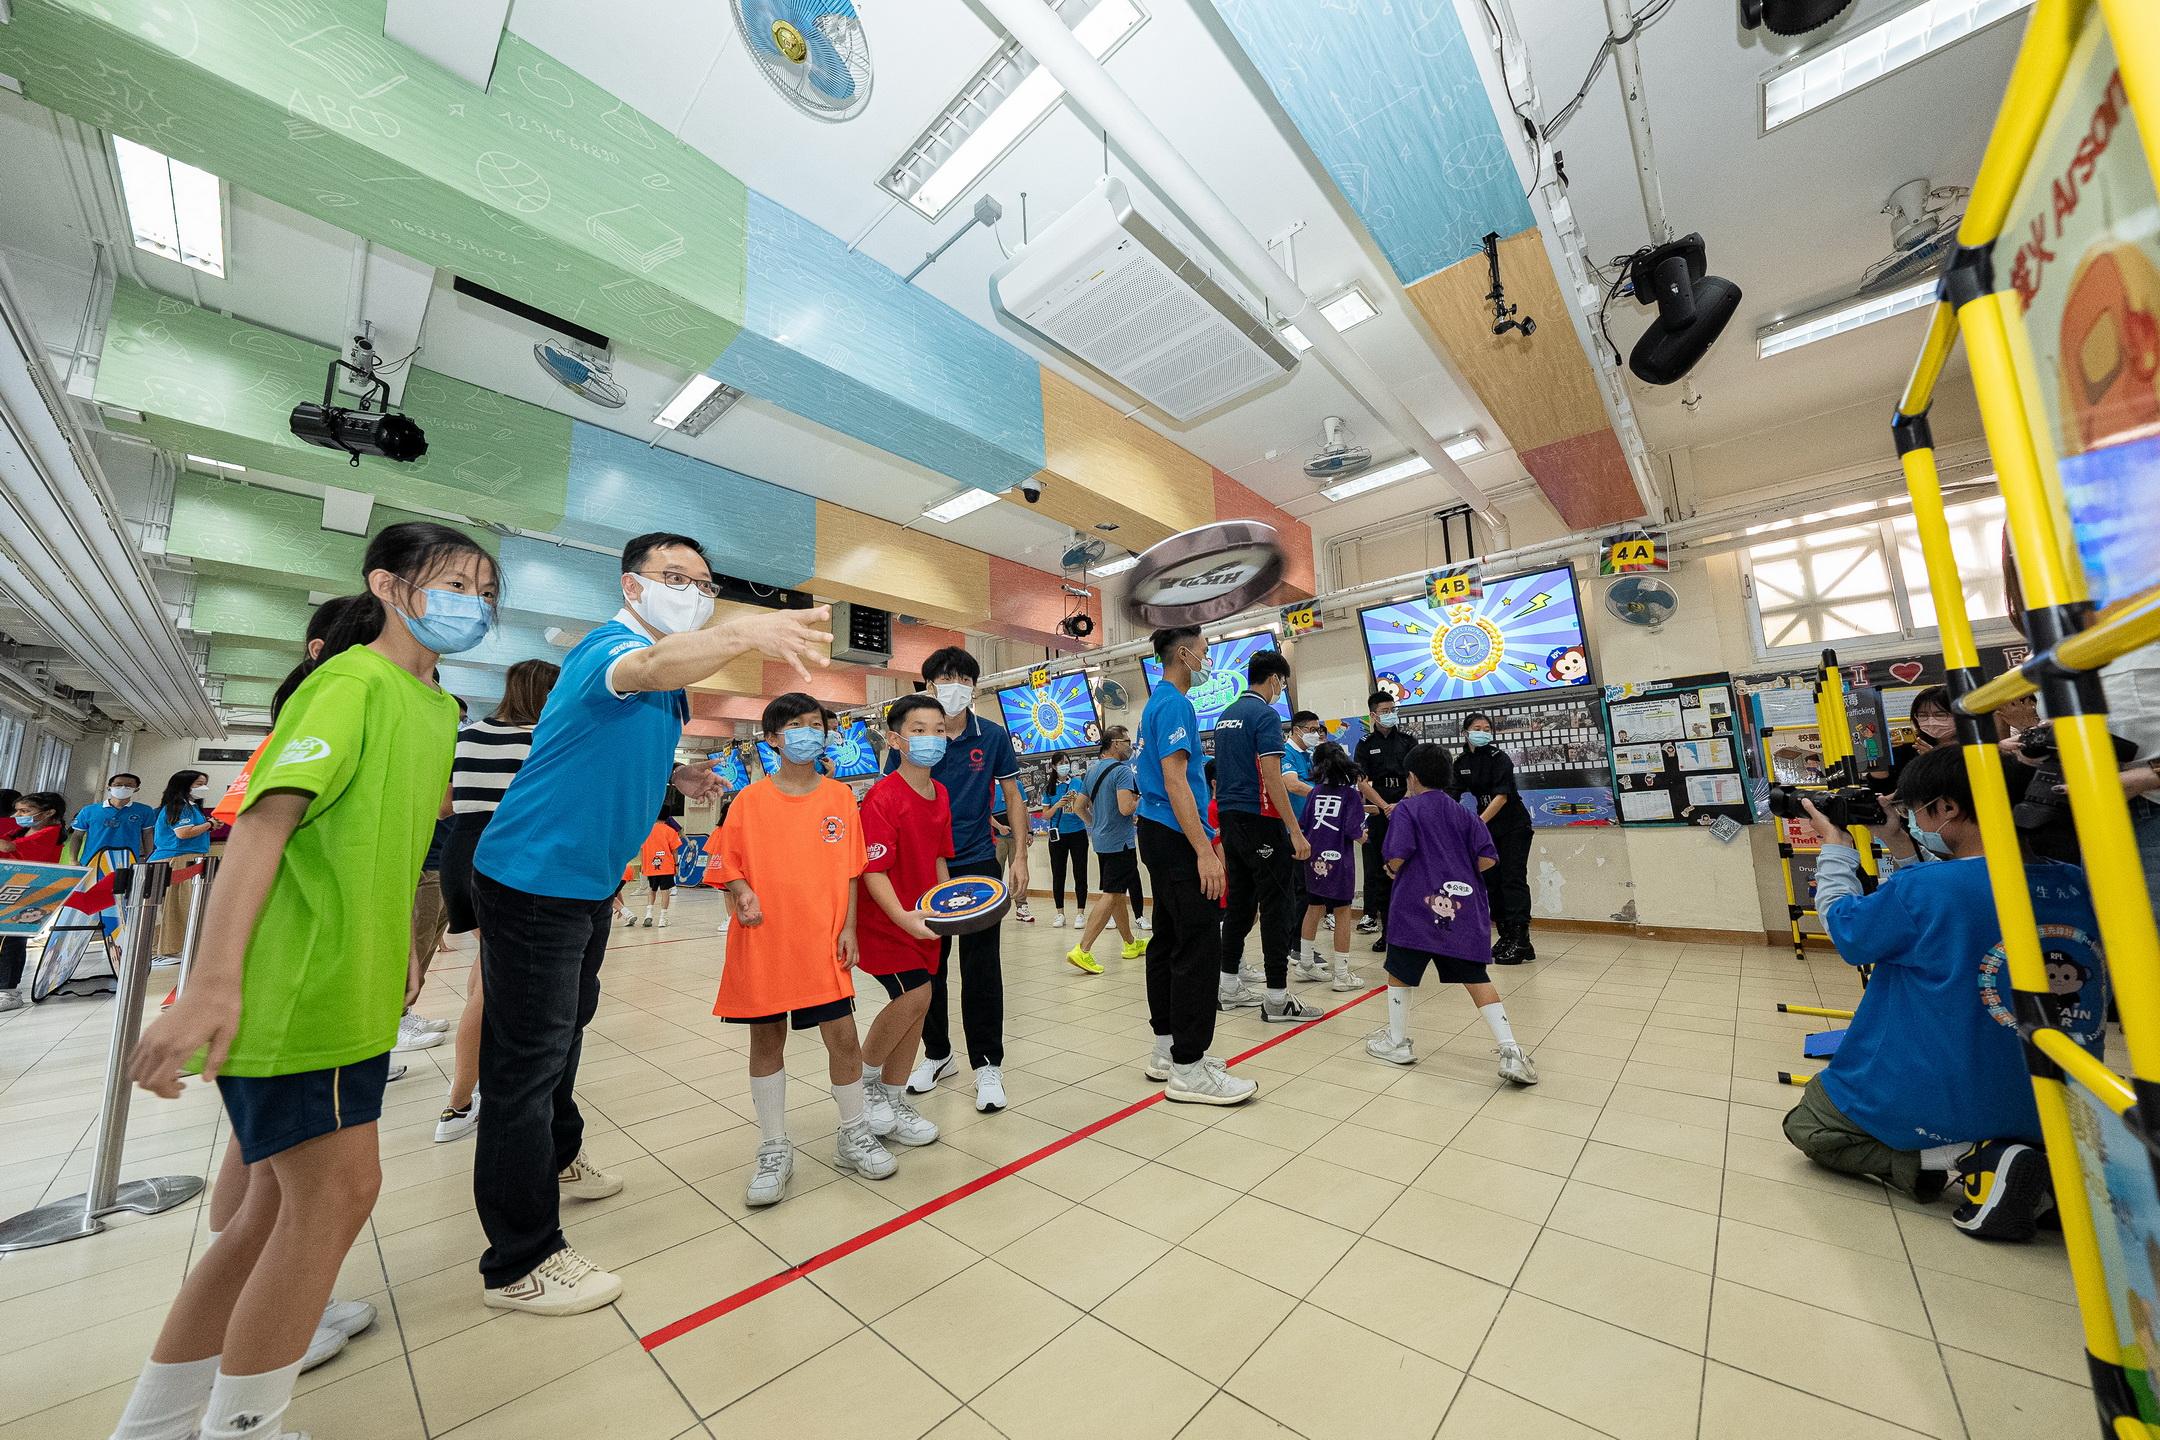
{"points": [[454, 622], [802, 743], [1928, 840], [1385, 722], [926, 750], [1481, 737]]}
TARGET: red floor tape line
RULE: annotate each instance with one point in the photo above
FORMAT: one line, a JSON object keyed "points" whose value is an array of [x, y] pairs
{"points": [[679, 1328]]}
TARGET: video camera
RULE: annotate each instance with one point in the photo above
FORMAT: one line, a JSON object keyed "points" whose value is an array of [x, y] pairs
{"points": [[1852, 805], [2041, 805]]}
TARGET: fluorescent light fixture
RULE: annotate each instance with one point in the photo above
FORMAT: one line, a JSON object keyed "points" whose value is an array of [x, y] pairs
{"points": [[695, 406], [225, 465], [1374, 479], [1463, 446], [1814, 79], [1807, 329], [967, 502], [174, 209], [995, 110], [1115, 567], [1351, 307]]}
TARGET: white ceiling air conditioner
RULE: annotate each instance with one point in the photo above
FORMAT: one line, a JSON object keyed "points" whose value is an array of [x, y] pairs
{"points": [[1106, 287]]}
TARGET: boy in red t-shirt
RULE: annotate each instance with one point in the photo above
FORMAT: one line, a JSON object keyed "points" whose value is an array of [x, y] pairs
{"points": [[907, 829]]}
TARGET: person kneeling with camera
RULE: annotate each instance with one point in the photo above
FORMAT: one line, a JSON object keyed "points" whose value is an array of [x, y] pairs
{"points": [[1929, 1085]]}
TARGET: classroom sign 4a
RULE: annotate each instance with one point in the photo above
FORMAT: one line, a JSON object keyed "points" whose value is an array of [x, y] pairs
{"points": [[1634, 551]]}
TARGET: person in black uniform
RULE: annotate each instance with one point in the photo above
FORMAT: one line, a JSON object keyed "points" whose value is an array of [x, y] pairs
{"points": [[1383, 757], [1485, 773]]}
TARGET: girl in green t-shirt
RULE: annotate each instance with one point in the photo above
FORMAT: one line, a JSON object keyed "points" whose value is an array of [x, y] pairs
{"points": [[293, 1001]]}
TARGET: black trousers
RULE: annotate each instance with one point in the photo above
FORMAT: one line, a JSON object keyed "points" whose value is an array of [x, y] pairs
{"points": [[540, 962], [982, 994], [1068, 850], [1379, 885], [14, 951], [1257, 860], [1507, 884], [1133, 890], [1181, 958]]}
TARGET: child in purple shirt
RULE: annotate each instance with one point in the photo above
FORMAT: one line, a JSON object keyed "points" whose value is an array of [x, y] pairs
{"points": [[1438, 915], [1334, 816]]}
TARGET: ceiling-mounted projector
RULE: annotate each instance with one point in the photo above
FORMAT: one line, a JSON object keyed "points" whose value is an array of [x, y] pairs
{"points": [[366, 429], [1693, 308]]}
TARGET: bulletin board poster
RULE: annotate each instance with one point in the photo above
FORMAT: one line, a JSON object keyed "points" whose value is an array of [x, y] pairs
{"points": [[1562, 768], [2086, 276], [1677, 752]]}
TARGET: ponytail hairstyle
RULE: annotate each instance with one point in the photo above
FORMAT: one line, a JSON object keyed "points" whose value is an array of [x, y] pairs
{"points": [[1332, 765], [176, 796], [336, 626], [415, 549]]}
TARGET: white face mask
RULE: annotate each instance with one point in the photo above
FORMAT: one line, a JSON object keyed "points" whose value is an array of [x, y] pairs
{"points": [[954, 696], [671, 611], [198, 792], [121, 794]]}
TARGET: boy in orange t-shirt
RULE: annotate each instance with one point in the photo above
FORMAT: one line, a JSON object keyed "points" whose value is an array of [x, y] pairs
{"points": [[790, 857], [656, 862]]}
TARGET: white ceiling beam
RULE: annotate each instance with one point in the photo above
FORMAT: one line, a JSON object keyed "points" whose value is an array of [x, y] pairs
{"points": [[388, 294], [460, 37]]}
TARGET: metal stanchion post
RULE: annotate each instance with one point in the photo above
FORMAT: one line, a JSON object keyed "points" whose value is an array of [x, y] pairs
{"points": [[198, 906], [80, 1215]]}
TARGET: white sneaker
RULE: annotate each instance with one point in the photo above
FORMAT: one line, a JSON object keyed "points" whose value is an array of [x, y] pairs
{"points": [[1329, 921], [1515, 1066], [1158, 1066], [565, 1283], [989, 1089], [587, 1181], [1145, 923], [163, 962], [1383, 1046], [11, 1000], [341, 1320], [768, 1182], [1250, 972], [396, 1071], [725, 924], [924, 1077], [440, 1027], [1292, 1011], [877, 1108], [911, 1126], [1057, 921], [663, 921], [1236, 994], [857, 1149], [456, 1124], [628, 919], [1309, 967], [648, 919], [1022, 914], [413, 1034], [1202, 1083], [1345, 978]]}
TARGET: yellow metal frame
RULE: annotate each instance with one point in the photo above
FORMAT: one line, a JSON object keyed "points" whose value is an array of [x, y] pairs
{"points": [[2006, 379]]}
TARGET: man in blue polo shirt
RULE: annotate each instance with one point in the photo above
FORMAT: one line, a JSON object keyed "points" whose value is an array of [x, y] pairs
{"points": [[119, 827], [602, 757], [1187, 878], [1263, 844], [978, 758]]}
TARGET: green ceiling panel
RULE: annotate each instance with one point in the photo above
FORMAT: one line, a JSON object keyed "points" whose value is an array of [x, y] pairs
{"points": [[250, 694], [545, 186], [274, 536], [209, 385], [252, 660], [226, 606]]}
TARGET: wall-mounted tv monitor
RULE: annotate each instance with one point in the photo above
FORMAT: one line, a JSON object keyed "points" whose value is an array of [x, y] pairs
{"points": [[852, 754], [1524, 633], [729, 765], [1058, 716], [768, 757], [1226, 661]]}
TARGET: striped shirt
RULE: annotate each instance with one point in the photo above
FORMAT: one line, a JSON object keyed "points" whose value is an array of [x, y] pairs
{"points": [[488, 757]]}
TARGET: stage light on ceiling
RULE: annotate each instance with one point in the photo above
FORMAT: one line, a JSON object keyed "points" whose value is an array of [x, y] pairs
{"points": [[1790, 17], [996, 109], [1814, 79], [1851, 315], [1693, 308], [967, 502], [174, 209], [1351, 307]]}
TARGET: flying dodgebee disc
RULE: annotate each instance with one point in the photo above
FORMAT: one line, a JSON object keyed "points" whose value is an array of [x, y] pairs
{"points": [[1204, 575], [965, 905]]}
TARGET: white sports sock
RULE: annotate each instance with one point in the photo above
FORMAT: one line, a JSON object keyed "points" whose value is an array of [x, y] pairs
{"points": [[769, 1094], [1941, 1157], [249, 1407], [1278, 997], [849, 1098], [1398, 1013], [1495, 1016], [1162, 1048], [168, 1401]]}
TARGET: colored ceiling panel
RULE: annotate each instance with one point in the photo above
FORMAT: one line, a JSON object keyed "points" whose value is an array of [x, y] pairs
{"points": [[837, 687], [1390, 100], [836, 337], [1029, 604], [272, 536], [227, 606], [249, 694], [213, 386], [1586, 477], [745, 674], [1106, 469], [864, 559], [913, 644], [620, 487], [253, 661], [540, 578], [1234, 501]]}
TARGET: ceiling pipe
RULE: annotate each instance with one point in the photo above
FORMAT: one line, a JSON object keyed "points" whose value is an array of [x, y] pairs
{"points": [[1042, 34], [1632, 100]]}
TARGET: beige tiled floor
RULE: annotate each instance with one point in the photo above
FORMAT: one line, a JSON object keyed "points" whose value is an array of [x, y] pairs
{"points": [[1628, 1250]]}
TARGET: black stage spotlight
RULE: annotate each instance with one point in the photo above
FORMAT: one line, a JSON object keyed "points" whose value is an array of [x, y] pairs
{"points": [[1693, 308], [1790, 17], [368, 429]]}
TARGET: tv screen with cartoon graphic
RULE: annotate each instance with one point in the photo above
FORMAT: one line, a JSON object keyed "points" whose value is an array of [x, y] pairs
{"points": [[1524, 633]]}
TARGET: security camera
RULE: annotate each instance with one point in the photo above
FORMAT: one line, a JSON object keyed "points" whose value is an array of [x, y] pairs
{"points": [[1031, 490]]}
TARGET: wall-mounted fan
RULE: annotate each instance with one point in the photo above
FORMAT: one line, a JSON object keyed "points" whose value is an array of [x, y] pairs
{"points": [[1111, 694], [587, 375], [812, 51], [1642, 600]]}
